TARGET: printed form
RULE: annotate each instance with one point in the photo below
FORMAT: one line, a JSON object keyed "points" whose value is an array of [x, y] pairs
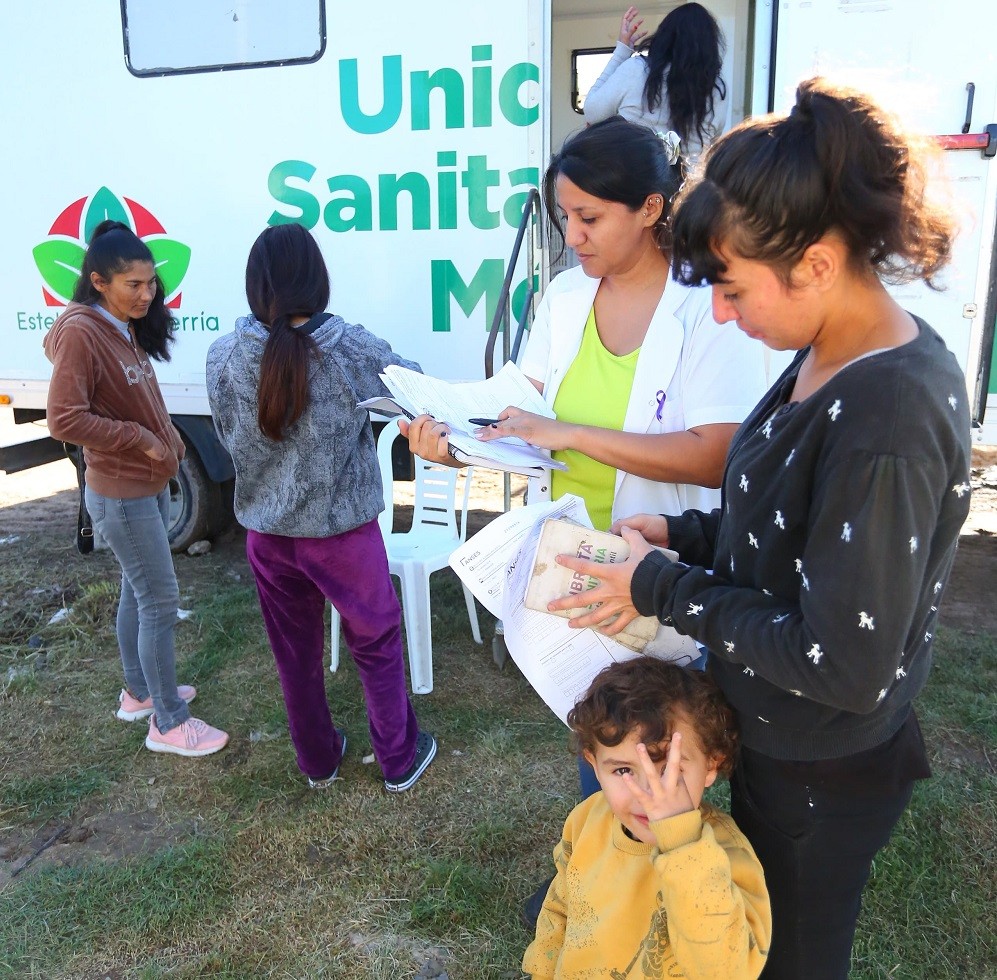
{"points": [[456, 404], [558, 661]]}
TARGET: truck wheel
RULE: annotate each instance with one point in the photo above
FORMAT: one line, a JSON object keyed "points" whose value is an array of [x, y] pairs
{"points": [[195, 503]]}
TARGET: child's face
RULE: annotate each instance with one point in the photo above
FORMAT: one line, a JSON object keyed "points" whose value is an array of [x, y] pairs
{"points": [[612, 763]]}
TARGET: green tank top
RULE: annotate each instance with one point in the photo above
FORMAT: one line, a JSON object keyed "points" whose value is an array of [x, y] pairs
{"points": [[595, 391]]}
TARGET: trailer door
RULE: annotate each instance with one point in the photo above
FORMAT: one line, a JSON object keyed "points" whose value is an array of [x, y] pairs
{"points": [[930, 67]]}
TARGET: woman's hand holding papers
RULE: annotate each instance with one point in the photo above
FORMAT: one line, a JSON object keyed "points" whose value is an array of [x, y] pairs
{"points": [[613, 591], [428, 439], [537, 430]]}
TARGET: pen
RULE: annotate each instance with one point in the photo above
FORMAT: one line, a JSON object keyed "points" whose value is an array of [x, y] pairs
{"points": [[484, 421]]}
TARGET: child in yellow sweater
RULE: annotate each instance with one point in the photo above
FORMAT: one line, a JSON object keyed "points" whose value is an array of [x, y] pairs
{"points": [[652, 882]]}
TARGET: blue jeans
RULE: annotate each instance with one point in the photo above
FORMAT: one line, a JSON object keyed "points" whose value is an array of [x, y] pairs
{"points": [[135, 530]]}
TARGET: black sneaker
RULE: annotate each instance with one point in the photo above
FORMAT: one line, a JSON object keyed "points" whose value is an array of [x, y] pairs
{"points": [[425, 752], [329, 780]]}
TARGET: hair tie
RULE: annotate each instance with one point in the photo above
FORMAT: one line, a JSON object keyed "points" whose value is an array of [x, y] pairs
{"points": [[671, 141]]}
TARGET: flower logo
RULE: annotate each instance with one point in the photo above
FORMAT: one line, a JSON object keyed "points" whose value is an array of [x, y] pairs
{"points": [[60, 257]]}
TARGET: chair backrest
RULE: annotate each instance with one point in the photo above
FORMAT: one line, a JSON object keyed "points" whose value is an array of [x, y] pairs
{"points": [[435, 491]]}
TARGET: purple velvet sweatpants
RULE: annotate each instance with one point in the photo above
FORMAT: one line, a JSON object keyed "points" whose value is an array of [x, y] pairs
{"points": [[294, 578]]}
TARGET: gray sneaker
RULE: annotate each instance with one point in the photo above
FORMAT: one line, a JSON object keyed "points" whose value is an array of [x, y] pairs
{"points": [[425, 752], [327, 781]]}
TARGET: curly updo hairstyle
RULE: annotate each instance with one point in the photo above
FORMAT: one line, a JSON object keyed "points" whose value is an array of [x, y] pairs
{"points": [[776, 185]]}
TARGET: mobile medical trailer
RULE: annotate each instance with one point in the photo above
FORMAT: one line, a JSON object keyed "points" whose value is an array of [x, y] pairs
{"points": [[406, 137]]}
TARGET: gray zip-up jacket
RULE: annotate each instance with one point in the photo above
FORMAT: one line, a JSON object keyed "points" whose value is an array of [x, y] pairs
{"points": [[322, 479]]}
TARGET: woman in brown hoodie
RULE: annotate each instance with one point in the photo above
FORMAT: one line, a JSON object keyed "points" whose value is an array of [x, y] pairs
{"points": [[104, 397]]}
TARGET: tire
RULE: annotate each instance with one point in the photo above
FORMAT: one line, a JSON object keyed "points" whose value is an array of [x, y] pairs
{"points": [[196, 507]]}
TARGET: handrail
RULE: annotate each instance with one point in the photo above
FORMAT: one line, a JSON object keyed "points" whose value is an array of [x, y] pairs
{"points": [[521, 323], [531, 207]]}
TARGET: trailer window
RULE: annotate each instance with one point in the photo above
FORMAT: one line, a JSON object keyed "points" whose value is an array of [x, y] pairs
{"points": [[586, 66], [185, 36]]}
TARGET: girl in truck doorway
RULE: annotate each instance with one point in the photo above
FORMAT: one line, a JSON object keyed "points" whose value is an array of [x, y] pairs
{"points": [[677, 87]]}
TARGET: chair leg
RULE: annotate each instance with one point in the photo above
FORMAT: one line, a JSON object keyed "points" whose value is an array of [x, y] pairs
{"points": [[418, 627], [334, 640], [472, 614]]}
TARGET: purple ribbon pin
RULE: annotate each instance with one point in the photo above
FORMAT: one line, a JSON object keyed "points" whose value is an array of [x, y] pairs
{"points": [[661, 405]]}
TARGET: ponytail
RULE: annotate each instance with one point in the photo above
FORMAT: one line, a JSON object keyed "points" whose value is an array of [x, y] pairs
{"points": [[773, 186], [283, 391], [286, 278]]}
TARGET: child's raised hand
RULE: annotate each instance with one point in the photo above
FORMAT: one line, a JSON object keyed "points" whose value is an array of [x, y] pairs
{"points": [[667, 794]]}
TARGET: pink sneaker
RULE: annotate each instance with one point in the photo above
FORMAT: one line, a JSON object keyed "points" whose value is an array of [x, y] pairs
{"points": [[192, 738], [131, 709]]}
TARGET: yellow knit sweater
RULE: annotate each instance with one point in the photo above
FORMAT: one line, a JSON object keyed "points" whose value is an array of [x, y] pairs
{"points": [[695, 906]]}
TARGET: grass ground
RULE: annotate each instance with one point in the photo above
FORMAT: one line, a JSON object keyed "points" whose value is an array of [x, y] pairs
{"points": [[118, 863]]}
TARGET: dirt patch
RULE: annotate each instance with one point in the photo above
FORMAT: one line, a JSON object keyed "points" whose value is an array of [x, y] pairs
{"points": [[969, 598], [85, 838], [960, 752]]}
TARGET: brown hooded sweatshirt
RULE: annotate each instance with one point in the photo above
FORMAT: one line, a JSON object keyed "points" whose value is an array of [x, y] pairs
{"points": [[104, 396]]}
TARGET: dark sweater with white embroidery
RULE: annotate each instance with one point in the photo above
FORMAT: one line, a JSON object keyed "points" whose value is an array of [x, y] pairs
{"points": [[835, 538]]}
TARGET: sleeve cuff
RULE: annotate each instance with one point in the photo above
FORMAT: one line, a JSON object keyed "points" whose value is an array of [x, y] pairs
{"points": [[678, 831], [683, 529], [642, 586]]}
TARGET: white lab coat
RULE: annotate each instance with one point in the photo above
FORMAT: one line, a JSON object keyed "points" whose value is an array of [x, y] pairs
{"points": [[709, 373]]}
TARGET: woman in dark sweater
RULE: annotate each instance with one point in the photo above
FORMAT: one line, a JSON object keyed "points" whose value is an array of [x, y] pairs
{"points": [[816, 584]]}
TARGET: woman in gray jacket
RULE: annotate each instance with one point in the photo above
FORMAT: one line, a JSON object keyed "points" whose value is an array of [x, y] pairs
{"points": [[283, 389]]}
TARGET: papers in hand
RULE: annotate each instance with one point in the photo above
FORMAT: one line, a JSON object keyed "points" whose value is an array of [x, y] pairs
{"points": [[549, 580], [560, 662], [415, 394]]}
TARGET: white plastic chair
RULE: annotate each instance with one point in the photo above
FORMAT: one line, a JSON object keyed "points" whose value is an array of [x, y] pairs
{"points": [[414, 555]]}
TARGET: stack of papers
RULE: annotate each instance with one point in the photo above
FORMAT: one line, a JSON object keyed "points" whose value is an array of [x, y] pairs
{"points": [[456, 404], [497, 565]]}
